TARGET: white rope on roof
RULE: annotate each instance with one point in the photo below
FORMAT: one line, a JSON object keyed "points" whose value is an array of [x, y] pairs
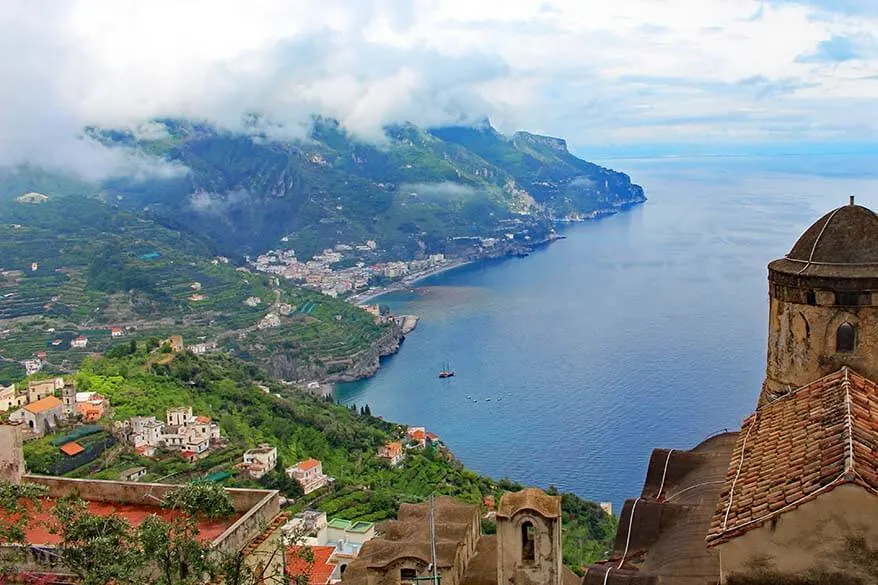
{"points": [[849, 423], [738, 473], [692, 487], [664, 474], [628, 537], [840, 479], [817, 240], [607, 574]]}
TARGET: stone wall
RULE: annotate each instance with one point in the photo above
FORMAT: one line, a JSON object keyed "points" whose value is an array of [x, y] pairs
{"points": [[810, 537], [802, 326], [545, 568], [259, 507], [11, 457]]}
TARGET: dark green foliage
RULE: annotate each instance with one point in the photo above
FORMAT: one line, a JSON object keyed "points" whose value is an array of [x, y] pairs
{"points": [[105, 267], [200, 499], [15, 505], [419, 188], [302, 425], [110, 271], [99, 549]]}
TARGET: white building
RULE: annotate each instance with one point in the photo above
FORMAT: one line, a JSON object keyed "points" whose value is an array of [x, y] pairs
{"points": [[260, 461], [177, 417], [182, 431], [146, 430], [79, 342], [9, 398], [31, 367], [309, 474]]}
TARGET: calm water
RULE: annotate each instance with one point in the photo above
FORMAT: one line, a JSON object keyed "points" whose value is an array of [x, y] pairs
{"points": [[646, 329]]}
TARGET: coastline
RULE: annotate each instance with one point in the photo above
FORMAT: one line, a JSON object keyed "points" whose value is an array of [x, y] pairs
{"points": [[404, 283]]}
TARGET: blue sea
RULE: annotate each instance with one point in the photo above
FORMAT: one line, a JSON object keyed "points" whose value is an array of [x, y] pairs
{"points": [[641, 330]]}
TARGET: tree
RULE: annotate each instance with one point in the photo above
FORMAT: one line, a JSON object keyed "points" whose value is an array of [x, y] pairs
{"points": [[367, 411], [99, 549], [17, 501]]}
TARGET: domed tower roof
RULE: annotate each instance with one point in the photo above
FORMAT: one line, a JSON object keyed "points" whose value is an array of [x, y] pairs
{"points": [[841, 244]]}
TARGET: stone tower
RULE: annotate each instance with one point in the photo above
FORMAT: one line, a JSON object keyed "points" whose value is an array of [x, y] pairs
{"points": [[11, 456], [823, 311], [68, 397], [529, 539]]}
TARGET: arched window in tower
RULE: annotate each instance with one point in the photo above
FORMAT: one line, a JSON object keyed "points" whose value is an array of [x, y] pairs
{"points": [[528, 536], [845, 338], [811, 297]]}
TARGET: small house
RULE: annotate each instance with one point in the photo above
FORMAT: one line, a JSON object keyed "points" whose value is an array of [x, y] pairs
{"points": [[79, 342], [132, 474], [43, 416], [260, 461], [309, 474], [392, 453]]}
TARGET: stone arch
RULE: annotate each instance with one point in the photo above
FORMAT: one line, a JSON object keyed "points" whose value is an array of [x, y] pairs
{"points": [[845, 338], [832, 328], [528, 542]]}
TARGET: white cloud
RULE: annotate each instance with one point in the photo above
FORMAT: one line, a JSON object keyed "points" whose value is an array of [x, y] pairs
{"points": [[596, 72]]}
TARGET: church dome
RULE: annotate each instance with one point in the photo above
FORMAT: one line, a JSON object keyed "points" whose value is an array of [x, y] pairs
{"points": [[845, 236]]}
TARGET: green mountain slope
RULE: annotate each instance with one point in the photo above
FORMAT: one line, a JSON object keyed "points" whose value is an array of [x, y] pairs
{"points": [[74, 266], [300, 426], [565, 186], [412, 193]]}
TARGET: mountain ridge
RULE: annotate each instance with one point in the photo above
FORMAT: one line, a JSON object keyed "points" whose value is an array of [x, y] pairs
{"points": [[414, 192]]}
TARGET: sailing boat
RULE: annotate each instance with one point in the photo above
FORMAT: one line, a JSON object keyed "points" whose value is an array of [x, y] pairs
{"points": [[446, 372]]}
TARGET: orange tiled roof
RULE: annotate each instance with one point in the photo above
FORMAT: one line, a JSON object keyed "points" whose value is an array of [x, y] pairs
{"points": [[308, 464], [202, 419], [320, 571], [419, 435], [801, 445], [392, 449], [42, 405], [72, 448]]}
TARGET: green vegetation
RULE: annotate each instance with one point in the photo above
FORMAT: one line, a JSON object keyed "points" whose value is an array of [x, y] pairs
{"points": [[114, 268], [412, 193], [300, 425], [109, 549]]}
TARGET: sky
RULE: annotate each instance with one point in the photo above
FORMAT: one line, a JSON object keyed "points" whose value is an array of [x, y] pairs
{"points": [[621, 75]]}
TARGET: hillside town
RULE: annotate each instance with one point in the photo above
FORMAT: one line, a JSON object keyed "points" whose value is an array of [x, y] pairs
{"points": [[322, 272]]}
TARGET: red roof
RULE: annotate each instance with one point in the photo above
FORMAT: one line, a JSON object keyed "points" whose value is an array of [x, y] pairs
{"points": [[419, 435], [307, 464], [432, 436], [791, 450], [203, 419], [321, 570], [43, 405], [71, 449], [42, 529]]}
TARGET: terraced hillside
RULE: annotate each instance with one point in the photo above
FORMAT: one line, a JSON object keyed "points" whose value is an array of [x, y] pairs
{"points": [[73, 267]]}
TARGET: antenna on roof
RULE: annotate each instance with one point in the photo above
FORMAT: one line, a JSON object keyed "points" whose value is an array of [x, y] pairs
{"points": [[852, 198]]}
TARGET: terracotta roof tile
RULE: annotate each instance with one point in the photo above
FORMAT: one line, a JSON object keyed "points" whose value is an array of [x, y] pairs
{"points": [[71, 449], [795, 448], [319, 571], [307, 464], [43, 405]]}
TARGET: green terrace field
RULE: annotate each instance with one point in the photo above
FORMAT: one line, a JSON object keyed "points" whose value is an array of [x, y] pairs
{"points": [[108, 268]]}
